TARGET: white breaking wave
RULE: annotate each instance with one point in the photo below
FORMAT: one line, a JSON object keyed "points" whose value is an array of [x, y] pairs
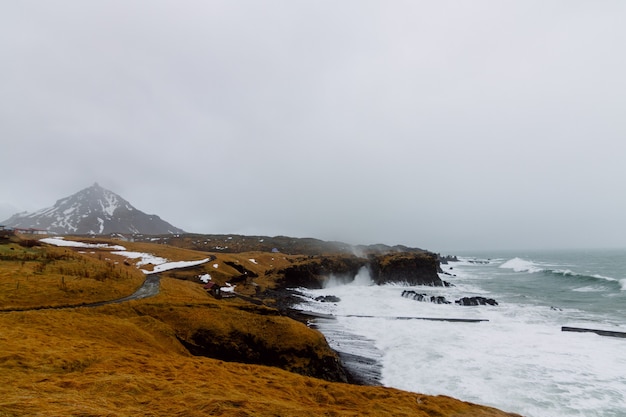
{"points": [[521, 265], [589, 289], [519, 360]]}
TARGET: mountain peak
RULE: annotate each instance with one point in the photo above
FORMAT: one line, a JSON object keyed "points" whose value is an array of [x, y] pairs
{"points": [[93, 210]]}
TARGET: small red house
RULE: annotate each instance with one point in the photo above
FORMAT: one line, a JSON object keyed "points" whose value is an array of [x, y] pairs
{"points": [[213, 289]]}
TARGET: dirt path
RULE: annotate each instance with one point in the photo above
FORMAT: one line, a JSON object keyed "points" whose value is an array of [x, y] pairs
{"points": [[149, 288]]}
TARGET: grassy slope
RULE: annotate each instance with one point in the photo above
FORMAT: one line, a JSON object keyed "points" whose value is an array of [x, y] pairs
{"points": [[38, 276], [127, 359]]}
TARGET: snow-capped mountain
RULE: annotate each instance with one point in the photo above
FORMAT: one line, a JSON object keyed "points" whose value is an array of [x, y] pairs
{"points": [[94, 210]]}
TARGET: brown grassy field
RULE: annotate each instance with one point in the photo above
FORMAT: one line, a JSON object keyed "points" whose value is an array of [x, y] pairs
{"points": [[43, 276], [131, 359]]}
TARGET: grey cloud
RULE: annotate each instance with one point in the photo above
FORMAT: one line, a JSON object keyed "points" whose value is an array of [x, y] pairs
{"points": [[442, 125]]}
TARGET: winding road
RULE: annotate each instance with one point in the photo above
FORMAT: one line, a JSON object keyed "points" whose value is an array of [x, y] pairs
{"points": [[149, 288]]}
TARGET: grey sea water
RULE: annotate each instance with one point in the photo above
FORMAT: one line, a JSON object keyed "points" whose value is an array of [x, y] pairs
{"points": [[519, 360], [590, 281]]}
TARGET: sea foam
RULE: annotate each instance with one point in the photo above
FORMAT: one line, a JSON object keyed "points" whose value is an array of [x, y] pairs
{"points": [[518, 361]]}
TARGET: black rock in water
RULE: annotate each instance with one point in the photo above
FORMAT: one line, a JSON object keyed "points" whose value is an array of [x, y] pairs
{"points": [[328, 299], [423, 297], [476, 301], [414, 295], [439, 300]]}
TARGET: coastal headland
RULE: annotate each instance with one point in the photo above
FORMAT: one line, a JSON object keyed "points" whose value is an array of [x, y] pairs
{"points": [[217, 338]]}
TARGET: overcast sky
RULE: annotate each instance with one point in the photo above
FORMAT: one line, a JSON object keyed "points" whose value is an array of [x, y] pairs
{"points": [[438, 124]]}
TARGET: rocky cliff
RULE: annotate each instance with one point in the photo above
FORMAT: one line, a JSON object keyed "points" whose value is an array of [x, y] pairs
{"points": [[410, 268], [315, 271]]}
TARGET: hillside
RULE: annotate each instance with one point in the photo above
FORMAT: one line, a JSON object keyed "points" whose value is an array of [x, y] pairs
{"points": [[181, 352], [234, 243], [92, 211]]}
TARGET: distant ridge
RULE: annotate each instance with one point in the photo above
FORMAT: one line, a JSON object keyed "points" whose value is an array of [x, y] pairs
{"points": [[96, 211]]}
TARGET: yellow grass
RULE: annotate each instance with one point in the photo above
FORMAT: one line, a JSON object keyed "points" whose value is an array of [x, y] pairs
{"points": [[127, 360], [50, 276], [90, 362]]}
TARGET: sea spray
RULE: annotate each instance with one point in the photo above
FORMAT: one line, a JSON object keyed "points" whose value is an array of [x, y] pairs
{"points": [[519, 360], [362, 278]]}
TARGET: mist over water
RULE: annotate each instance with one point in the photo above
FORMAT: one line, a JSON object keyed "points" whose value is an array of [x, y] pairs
{"points": [[518, 361]]}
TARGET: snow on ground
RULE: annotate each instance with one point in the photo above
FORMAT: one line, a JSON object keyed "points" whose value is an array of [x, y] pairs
{"points": [[59, 241], [144, 258], [160, 264], [216, 266], [228, 288], [175, 265], [253, 261], [205, 278]]}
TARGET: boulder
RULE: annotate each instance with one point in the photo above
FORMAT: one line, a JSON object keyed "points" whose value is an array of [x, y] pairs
{"points": [[423, 297], [414, 295], [328, 299], [439, 300], [476, 301]]}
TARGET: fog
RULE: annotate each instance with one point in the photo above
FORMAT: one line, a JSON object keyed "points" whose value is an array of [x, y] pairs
{"points": [[444, 125]]}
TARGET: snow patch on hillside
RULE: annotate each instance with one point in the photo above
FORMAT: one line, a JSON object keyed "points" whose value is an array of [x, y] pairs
{"points": [[59, 241], [110, 204], [175, 265], [143, 258], [160, 264]]}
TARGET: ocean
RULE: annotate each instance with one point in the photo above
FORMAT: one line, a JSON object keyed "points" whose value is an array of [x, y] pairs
{"points": [[519, 360]]}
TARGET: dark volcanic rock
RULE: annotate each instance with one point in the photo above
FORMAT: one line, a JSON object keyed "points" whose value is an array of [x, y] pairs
{"points": [[241, 269], [476, 301], [245, 273], [439, 299], [410, 268], [448, 258], [313, 272], [423, 297], [328, 299], [414, 295], [407, 267]]}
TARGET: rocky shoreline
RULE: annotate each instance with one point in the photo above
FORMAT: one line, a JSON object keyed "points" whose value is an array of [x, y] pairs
{"points": [[247, 348], [311, 264], [416, 268], [413, 268]]}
